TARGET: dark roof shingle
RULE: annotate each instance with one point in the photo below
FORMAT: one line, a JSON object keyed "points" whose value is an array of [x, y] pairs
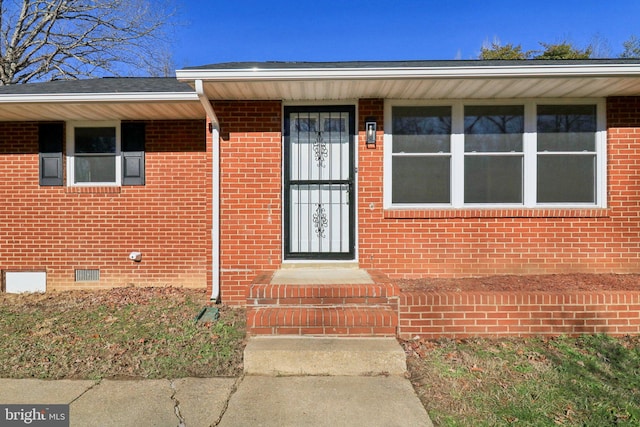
{"points": [[101, 85]]}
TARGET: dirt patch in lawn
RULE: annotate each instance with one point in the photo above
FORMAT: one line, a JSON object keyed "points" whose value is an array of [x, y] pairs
{"points": [[526, 283]]}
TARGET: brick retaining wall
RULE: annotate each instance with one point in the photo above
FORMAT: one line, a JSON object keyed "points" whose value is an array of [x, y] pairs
{"points": [[433, 315]]}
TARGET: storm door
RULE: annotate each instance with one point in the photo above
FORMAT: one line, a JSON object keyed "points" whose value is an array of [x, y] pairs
{"points": [[319, 172]]}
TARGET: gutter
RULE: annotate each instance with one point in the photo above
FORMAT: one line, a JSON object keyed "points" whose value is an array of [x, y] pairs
{"points": [[95, 98], [368, 73], [214, 128]]}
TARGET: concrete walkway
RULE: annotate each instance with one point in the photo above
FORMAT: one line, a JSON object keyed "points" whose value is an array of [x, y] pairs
{"points": [[182, 402], [379, 398], [325, 401]]}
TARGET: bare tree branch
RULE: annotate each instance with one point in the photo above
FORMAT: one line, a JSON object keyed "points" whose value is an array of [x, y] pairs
{"points": [[70, 39]]}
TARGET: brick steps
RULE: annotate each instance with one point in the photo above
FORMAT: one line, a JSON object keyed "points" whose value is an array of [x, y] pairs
{"points": [[266, 294], [351, 321], [364, 310]]}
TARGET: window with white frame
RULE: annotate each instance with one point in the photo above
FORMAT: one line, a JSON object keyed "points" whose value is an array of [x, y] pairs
{"points": [[493, 154], [530, 154], [421, 160], [93, 153], [567, 154]]}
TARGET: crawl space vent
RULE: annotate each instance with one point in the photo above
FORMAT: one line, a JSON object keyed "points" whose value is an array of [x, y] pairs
{"points": [[87, 275]]}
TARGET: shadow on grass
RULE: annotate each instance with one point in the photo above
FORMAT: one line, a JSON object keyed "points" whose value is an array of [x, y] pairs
{"points": [[586, 381], [604, 376]]}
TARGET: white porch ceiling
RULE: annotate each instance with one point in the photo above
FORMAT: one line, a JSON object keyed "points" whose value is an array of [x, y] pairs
{"points": [[100, 111], [142, 98], [452, 88], [422, 80]]}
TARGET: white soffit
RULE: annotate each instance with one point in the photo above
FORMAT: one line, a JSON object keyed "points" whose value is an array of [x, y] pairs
{"points": [[464, 82], [131, 106]]}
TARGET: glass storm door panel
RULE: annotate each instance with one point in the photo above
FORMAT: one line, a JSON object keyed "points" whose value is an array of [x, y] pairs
{"points": [[319, 207]]}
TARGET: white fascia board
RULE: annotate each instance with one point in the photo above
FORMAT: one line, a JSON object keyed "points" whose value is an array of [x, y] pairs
{"points": [[547, 70], [53, 98]]}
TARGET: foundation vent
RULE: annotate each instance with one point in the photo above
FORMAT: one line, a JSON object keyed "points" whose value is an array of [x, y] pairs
{"points": [[87, 275]]}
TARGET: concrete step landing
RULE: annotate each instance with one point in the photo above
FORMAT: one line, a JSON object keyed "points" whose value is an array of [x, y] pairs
{"points": [[288, 356]]}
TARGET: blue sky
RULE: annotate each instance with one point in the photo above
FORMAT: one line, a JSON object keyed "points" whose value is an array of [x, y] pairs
{"points": [[342, 30]]}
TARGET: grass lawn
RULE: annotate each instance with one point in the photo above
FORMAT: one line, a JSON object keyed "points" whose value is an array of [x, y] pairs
{"points": [[585, 381], [151, 333], [119, 333]]}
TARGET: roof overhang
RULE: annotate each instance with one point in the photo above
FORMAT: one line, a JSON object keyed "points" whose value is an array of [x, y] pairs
{"points": [[420, 80], [100, 106], [171, 99]]}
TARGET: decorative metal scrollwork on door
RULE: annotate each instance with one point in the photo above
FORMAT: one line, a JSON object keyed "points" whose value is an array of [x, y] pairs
{"points": [[319, 212], [320, 150], [320, 220]]}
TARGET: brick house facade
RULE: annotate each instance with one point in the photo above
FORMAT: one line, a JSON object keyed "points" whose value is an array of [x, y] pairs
{"points": [[47, 224], [63, 229], [439, 243], [195, 230]]}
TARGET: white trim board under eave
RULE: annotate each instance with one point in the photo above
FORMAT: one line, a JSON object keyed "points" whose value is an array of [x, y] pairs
{"points": [[99, 98], [364, 73]]}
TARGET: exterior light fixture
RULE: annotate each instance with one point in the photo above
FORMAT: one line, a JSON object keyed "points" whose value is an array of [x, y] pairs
{"points": [[370, 127]]}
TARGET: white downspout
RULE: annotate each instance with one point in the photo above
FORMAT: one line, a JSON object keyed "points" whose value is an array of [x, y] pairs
{"points": [[215, 230]]}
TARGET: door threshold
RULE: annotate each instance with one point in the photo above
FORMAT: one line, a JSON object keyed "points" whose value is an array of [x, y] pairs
{"points": [[319, 264], [321, 276]]}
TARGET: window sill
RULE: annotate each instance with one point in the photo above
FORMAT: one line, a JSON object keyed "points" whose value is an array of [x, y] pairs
{"points": [[496, 213], [94, 190]]}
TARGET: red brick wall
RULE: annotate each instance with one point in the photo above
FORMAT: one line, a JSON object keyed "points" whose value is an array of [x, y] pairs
{"points": [[60, 229], [371, 243], [472, 242], [169, 220], [446, 243], [250, 194], [434, 315]]}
